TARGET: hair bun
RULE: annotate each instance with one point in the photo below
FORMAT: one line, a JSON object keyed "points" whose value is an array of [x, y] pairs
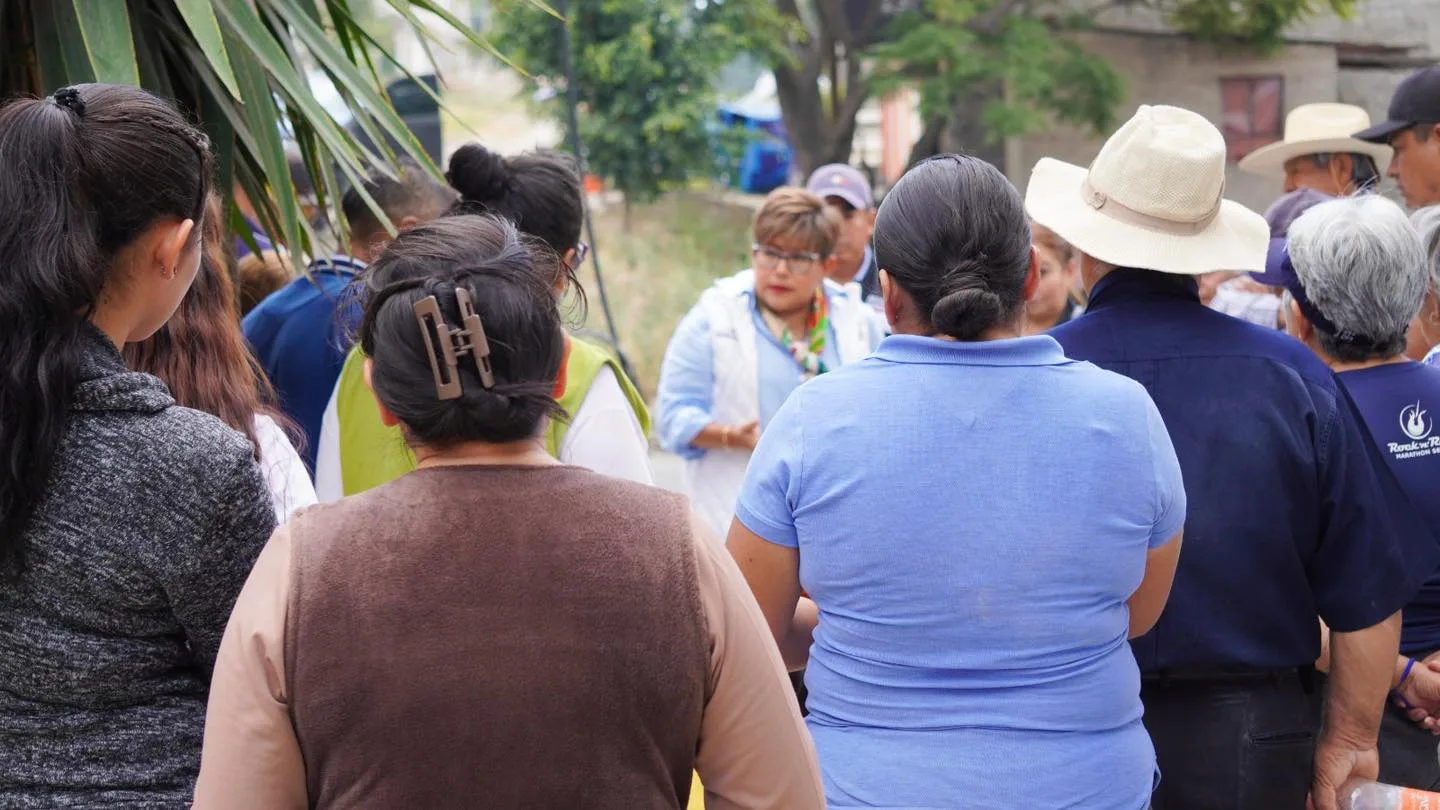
{"points": [[966, 313], [69, 98], [478, 174]]}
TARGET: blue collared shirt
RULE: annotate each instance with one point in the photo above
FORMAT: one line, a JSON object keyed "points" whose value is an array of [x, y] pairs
{"points": [[686, 395], [301, 334], [1291, 510]]}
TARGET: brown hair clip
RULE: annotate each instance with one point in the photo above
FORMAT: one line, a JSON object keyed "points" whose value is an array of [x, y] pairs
{"points": [[454, 343]]}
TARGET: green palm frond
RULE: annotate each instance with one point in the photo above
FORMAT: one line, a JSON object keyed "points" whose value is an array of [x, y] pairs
{"points": [[241, 67]]}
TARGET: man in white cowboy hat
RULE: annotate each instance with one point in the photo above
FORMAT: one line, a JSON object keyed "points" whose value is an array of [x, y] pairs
{"points": [[1319, 152], [1289, 520]]}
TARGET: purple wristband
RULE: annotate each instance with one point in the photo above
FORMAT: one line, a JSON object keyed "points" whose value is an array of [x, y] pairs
{"points": [[1404, 676]]}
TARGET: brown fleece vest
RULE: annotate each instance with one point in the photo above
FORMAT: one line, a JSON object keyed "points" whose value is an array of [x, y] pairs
{"points": [[498, 638]]}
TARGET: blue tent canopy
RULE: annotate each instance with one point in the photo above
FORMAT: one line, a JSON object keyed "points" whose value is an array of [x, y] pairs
{"points": [[768, 158]]}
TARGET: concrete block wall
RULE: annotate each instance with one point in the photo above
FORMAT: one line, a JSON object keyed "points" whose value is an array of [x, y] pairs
{"points": [[1370, 88], [1382, 23], [1181, 72]]}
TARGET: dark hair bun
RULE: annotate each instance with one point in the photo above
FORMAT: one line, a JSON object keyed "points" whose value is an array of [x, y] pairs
{"points": [[966, 313], [954, 235], [478, 174]]}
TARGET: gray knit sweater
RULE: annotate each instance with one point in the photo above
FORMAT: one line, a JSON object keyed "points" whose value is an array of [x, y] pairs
{"points": [[152, 519]]}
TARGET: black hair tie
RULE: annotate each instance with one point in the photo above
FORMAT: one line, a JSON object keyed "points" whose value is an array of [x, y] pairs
{"points": [[69, 98]]}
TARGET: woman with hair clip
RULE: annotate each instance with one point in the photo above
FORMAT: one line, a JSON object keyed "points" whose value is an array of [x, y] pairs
{"points": [[602, 422], [201, 356], [127, 524], [966, 642], [451, 639]]}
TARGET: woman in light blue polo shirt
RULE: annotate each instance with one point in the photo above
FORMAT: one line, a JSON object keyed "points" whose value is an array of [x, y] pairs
{"points": [[981, 524]]}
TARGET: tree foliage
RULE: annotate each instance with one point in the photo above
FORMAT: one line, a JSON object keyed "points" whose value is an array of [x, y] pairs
{"points": [[1258, 24], [240, 66], [984, 69], [643, 74], [1014, 73]]}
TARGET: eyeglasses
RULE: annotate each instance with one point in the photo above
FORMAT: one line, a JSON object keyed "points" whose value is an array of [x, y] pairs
{"points": [[800, 264]]}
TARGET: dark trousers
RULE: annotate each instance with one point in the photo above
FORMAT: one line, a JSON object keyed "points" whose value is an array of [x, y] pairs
{"points": [[1233, 743], [1407, 753]]}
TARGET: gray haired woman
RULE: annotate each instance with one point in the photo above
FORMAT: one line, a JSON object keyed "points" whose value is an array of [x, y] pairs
{"points": [[1424, 343], [1356, 273]]}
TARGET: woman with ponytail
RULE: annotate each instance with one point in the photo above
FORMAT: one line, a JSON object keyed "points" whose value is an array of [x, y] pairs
{"points": [[978, 524], [602, 422], [127, 524], [494, 628]]}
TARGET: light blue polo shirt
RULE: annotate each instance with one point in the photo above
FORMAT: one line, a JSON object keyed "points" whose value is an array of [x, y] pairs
{"points": [[971, 519]]}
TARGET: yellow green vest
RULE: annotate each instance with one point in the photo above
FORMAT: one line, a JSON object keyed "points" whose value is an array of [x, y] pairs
{"points": [[372, 454]]}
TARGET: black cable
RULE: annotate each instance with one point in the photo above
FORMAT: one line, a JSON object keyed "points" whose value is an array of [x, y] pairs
{"points": [[572, 104]]}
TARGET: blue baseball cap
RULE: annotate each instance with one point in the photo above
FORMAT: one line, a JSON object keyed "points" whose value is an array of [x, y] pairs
{"points": [[1279, 216]]}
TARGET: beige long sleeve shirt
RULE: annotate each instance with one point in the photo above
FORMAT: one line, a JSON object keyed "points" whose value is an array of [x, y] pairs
{"points": [[754, 752]]}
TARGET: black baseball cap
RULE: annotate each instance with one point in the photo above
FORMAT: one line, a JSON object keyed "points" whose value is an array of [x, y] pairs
{"points": [[1416, 100]]}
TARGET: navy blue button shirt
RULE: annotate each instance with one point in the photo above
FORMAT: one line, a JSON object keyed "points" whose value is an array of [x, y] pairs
{"points": [[1291, 510]]}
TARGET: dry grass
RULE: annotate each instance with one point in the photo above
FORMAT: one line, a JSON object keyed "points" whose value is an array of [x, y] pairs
{"points": [[655, 272]]}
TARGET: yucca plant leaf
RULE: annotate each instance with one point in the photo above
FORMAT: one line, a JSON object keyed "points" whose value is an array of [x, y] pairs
{"points": [[150, 56], [221, 129], [352, 30], [60, 45], [371, 100], [105, 26], [402, 7], [205, 26], [473, 35], [263, 116], [243, 67], [248, 29]]}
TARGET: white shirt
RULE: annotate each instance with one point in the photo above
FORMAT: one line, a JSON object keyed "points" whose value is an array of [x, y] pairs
{"points": [[605, 435], [1236, 299], [329, 480], [284, 472]]}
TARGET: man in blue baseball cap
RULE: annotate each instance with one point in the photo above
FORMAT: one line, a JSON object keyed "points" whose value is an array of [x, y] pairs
{"points": [[1412, 128], [846, 190]]}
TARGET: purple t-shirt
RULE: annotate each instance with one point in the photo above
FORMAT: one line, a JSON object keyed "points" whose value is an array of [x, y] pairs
{"points": [[1399, 403]]}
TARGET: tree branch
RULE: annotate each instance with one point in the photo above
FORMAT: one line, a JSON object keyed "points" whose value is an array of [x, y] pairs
{"points": [[789, 9], [809, 51], [834, 19], [867, 26], [989, 23], [856, 93]]}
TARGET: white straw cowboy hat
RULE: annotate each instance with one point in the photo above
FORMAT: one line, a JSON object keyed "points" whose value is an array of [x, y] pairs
{"points": [[1153, 199], [1313, 129]]}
